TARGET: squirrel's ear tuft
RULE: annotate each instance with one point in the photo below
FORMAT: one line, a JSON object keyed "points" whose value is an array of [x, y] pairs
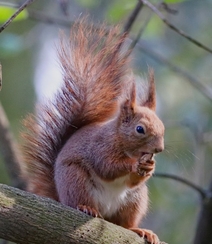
{"points": [[127, 108], [151, 95]]}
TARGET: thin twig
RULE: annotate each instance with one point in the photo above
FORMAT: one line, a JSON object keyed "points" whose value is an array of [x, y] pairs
{"points": [[182, 33], [37, 15], [140, 32], [200, 190], [128, 25], [127, 28], [169, 10], [19, 10], [9, 150], [137, 38], [205, 90], [42, 17], [132, 17]]}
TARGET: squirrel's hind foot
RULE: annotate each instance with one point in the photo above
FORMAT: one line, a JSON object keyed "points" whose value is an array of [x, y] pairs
{"points": [[89, 211], [149, 235]]}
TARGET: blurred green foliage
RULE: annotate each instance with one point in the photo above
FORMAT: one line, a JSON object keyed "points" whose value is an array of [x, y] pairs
{"points": [[7, 12], [116, 12], [186, 112]]}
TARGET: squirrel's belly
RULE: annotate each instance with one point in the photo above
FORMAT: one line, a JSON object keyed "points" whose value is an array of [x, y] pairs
{"points": [[110, 196]]}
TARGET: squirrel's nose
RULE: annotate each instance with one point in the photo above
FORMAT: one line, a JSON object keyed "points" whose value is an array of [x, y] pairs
{"points": [[159, 149], [159, 145]]}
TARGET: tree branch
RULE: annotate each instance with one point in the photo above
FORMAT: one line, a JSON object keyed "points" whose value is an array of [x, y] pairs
{"points": [[20, 9], [140, 32], [42, 17], [46, 221], [132, 17], [203, 232], [205, 90], [200, 190], [182, 33]]}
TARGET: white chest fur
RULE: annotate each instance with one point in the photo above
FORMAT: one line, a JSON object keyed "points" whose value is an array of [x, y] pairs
{"points": [[109, 196]]}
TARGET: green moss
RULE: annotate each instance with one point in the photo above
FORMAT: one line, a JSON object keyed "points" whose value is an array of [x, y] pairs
{"points": [[7, 202]]}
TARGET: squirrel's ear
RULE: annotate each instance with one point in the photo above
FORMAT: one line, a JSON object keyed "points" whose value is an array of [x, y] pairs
{"points": [[127, 108], [151, 96]]}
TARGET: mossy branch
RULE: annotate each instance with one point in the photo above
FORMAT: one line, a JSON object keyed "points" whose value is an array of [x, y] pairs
{"points": [[27, 218]]}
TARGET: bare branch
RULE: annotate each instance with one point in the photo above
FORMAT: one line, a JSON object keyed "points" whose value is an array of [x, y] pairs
{"points": [[200, 190], [137, 38], [20, 9], [203, 232], [9, 150], [132, 17], [128, 27], [169, 10], [42, 17], [182, 33], [205, 90]]}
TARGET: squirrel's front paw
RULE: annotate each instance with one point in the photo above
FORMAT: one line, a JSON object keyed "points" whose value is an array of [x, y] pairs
{"points": [[89, 211], [146, 165]]}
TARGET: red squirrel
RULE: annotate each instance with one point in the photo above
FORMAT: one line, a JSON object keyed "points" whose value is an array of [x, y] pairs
{"points": [[92, 147]]}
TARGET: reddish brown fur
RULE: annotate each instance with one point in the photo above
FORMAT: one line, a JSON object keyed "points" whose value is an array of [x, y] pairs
{"points": [[94, 79], [83, 149]]}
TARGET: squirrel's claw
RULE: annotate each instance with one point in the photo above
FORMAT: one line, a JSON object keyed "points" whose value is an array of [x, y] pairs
{"points": [[89, 211], [149, 235]]}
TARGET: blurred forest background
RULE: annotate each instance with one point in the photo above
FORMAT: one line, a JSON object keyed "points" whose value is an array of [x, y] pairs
{"points": [[31, 72]]}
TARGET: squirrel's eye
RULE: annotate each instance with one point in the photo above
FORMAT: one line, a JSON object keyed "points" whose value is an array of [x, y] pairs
{"points": [[140, 129]]}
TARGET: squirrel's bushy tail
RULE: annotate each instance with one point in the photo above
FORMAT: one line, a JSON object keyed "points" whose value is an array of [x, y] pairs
{"points": [[94, 76]]}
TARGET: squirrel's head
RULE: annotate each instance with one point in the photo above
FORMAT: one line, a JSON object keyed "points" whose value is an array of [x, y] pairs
{"points": [[139, 125]]}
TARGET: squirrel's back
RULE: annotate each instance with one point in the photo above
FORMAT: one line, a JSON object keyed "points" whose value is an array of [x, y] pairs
{"points": [[94, 79]]}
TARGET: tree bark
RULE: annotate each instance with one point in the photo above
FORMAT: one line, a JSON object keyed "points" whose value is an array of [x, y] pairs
{"points": [[203, 231], [28, 218]]}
